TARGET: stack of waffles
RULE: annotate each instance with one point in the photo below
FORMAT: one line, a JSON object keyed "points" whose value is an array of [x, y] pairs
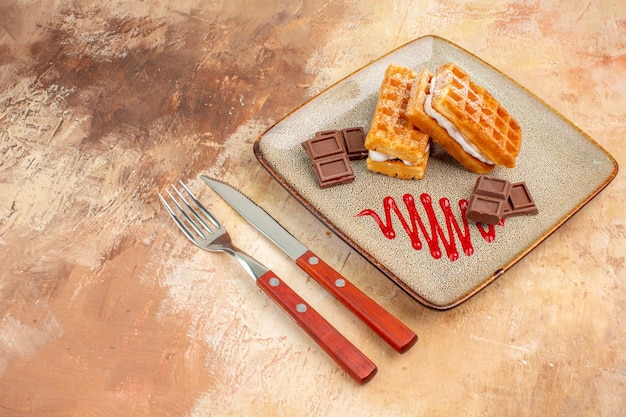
{"points": [[447, 107]]}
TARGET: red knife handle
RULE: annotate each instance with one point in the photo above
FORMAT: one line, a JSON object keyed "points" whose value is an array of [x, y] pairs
{"points": [[392, 330], [348, 356]]}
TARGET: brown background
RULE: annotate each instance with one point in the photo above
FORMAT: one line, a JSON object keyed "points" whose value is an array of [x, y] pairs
{"points": [[105, 308]]}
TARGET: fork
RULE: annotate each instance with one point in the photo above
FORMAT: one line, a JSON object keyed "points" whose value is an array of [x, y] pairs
{"points": [[205, 231]]}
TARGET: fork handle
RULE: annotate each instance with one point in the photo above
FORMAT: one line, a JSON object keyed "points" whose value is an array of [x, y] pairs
{"points": [[348, 356], [387, 326]]}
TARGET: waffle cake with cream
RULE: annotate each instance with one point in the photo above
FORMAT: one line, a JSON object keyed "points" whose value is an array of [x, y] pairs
{"points": [[395, 146], [464, 119]]}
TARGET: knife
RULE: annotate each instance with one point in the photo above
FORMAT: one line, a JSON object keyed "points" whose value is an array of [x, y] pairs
{"points": [[388, 327]]}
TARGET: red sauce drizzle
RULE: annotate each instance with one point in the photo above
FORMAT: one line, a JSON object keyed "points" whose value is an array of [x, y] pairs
{"points": [[435, 232]]}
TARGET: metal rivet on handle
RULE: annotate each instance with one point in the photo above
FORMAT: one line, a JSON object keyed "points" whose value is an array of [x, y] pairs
{"points": [[340, 283], [313, 260], [301, 308], [274, 282]]}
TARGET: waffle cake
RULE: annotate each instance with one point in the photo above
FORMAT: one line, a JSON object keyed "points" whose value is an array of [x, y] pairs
{"points": [[396, 147], [464, 119]]}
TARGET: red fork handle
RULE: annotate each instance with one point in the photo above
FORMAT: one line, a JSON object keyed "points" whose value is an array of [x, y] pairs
{"points": [[348, 356], [387, 326]]}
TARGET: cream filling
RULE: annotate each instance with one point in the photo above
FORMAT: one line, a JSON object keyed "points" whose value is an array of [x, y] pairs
{"points": [[381, 157], [454, 133]]}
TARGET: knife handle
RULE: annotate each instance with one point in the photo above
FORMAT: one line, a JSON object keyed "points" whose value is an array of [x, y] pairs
{"points": [[348, 356], [392, 330]]}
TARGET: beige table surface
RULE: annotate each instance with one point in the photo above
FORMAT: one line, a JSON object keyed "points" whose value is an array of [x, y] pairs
{"points": [[106, 309]]}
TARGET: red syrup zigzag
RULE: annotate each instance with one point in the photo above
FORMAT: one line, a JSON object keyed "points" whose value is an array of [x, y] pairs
{"points": [[435, 233]]}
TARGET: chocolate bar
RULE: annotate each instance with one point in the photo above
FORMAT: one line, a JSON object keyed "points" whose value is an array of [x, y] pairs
{"points": [[333, 170], [495, 198], [493, 187], [330, 160], [324, 144], [520, 201], [354, 138], [484, 209]]}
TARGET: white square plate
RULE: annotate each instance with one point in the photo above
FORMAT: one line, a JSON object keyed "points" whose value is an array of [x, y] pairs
{"points": [[562, 167]]}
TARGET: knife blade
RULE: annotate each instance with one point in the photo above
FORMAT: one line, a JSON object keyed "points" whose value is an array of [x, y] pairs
{"points": [[387, 326]]}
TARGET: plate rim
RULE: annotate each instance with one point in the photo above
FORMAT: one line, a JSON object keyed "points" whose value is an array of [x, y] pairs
{"points": [[488, 280]]}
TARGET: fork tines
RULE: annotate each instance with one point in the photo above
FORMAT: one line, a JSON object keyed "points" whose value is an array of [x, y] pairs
{"points": [[209, 225]]}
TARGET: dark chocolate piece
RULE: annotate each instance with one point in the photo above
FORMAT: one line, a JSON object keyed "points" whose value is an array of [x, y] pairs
{"points": [[495, 198], [333, 170], [485, 209], [520, 201], [324, 145], [354, 138], [330, 160], [493, 187]]}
